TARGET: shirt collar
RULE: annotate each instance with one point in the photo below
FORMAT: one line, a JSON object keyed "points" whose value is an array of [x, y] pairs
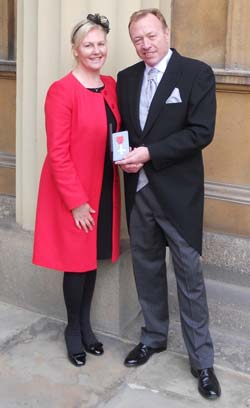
{"points": [[162, 65]]}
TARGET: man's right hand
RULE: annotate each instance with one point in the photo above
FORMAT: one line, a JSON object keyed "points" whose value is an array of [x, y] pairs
{"points": [[131, 168]]}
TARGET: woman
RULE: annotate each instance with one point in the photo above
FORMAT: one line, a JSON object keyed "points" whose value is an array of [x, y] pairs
{"points": [[78, 210]]}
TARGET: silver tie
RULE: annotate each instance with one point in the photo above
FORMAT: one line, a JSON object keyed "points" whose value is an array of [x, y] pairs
{"points": [[145, 101], [151, 85]]}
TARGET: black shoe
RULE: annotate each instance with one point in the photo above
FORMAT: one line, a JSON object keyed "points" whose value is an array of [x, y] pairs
{"points": [[77, 359], [96, 348], [140, 355], [76, 353], [208, 385]]}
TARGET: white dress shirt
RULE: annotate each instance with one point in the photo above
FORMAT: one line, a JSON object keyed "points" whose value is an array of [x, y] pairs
{"points": [[144, 108]]}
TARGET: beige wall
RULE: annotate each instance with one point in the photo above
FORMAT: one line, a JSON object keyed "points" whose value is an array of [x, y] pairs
{"points": [[218, 32], [3, 30], [228, 157], [7, 132], [7, 97], [7, 112], [199, 29]]}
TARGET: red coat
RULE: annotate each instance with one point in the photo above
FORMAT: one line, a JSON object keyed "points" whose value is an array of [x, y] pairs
{"points": [[76, 127]]}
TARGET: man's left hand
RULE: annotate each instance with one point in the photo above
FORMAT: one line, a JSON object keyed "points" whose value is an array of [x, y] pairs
{"points": [[139, 155]]}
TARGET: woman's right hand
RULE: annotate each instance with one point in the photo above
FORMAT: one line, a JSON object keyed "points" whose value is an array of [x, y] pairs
{"points": [[83, 218]]}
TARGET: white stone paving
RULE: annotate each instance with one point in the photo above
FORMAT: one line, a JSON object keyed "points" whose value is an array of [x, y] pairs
{"points": [[35, 372]]}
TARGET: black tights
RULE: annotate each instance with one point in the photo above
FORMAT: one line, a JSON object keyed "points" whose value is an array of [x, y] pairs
{"points": [[78, 289]]}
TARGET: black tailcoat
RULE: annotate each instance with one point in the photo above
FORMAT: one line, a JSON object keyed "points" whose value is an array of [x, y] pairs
{"points": [[175, 134]]}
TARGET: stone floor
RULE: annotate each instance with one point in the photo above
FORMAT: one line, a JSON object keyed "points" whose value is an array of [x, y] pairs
{"points": [[35, 373]]}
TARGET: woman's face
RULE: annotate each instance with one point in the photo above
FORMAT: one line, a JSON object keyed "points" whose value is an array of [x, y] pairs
{"points": [[92, 52]]}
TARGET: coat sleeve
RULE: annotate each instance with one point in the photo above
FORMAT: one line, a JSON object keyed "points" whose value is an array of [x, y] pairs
{"points": [[199, 128], [58, 118]]}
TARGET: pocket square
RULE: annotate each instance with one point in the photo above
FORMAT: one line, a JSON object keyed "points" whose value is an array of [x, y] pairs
{"points": [[175, 97]]}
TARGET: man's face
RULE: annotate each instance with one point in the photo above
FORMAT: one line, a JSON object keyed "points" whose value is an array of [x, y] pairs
{"points": [[150, 38]]}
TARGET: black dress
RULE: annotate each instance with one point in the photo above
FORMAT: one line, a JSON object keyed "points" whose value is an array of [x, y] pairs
{"points": [[104, 225]]}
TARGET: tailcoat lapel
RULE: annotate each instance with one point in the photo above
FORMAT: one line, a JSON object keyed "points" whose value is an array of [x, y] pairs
{"points": [[164, 90], [134, 94]]}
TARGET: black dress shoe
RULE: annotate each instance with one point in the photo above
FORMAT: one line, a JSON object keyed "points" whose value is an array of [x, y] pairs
{"points": [[140, 355], [78, 359], [96, 348], [76, 354], [208, 385]]}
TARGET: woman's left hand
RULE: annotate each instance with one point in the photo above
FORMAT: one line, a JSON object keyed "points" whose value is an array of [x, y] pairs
{"points": [[83, 218]]}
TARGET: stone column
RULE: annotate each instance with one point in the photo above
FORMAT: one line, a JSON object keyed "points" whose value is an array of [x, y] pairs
{"points": [[38, 61], [238, 35]]}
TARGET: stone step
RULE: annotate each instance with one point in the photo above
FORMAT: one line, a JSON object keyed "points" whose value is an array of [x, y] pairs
{"points": [[229, 309], [229, 305], [231, 275], [231, 349]]}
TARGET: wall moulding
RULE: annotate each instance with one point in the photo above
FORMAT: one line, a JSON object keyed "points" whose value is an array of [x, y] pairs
{"points": [[227, 192], [7, 75], [7, 160], [233, 88], [7, 66], [7, 69], [232, 77]]}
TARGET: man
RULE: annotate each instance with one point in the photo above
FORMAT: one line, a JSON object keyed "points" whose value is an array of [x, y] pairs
{"points": [[169, 113]]}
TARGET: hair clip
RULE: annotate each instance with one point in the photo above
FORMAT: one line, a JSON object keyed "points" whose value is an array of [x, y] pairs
{"points": [[100, 20]]}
